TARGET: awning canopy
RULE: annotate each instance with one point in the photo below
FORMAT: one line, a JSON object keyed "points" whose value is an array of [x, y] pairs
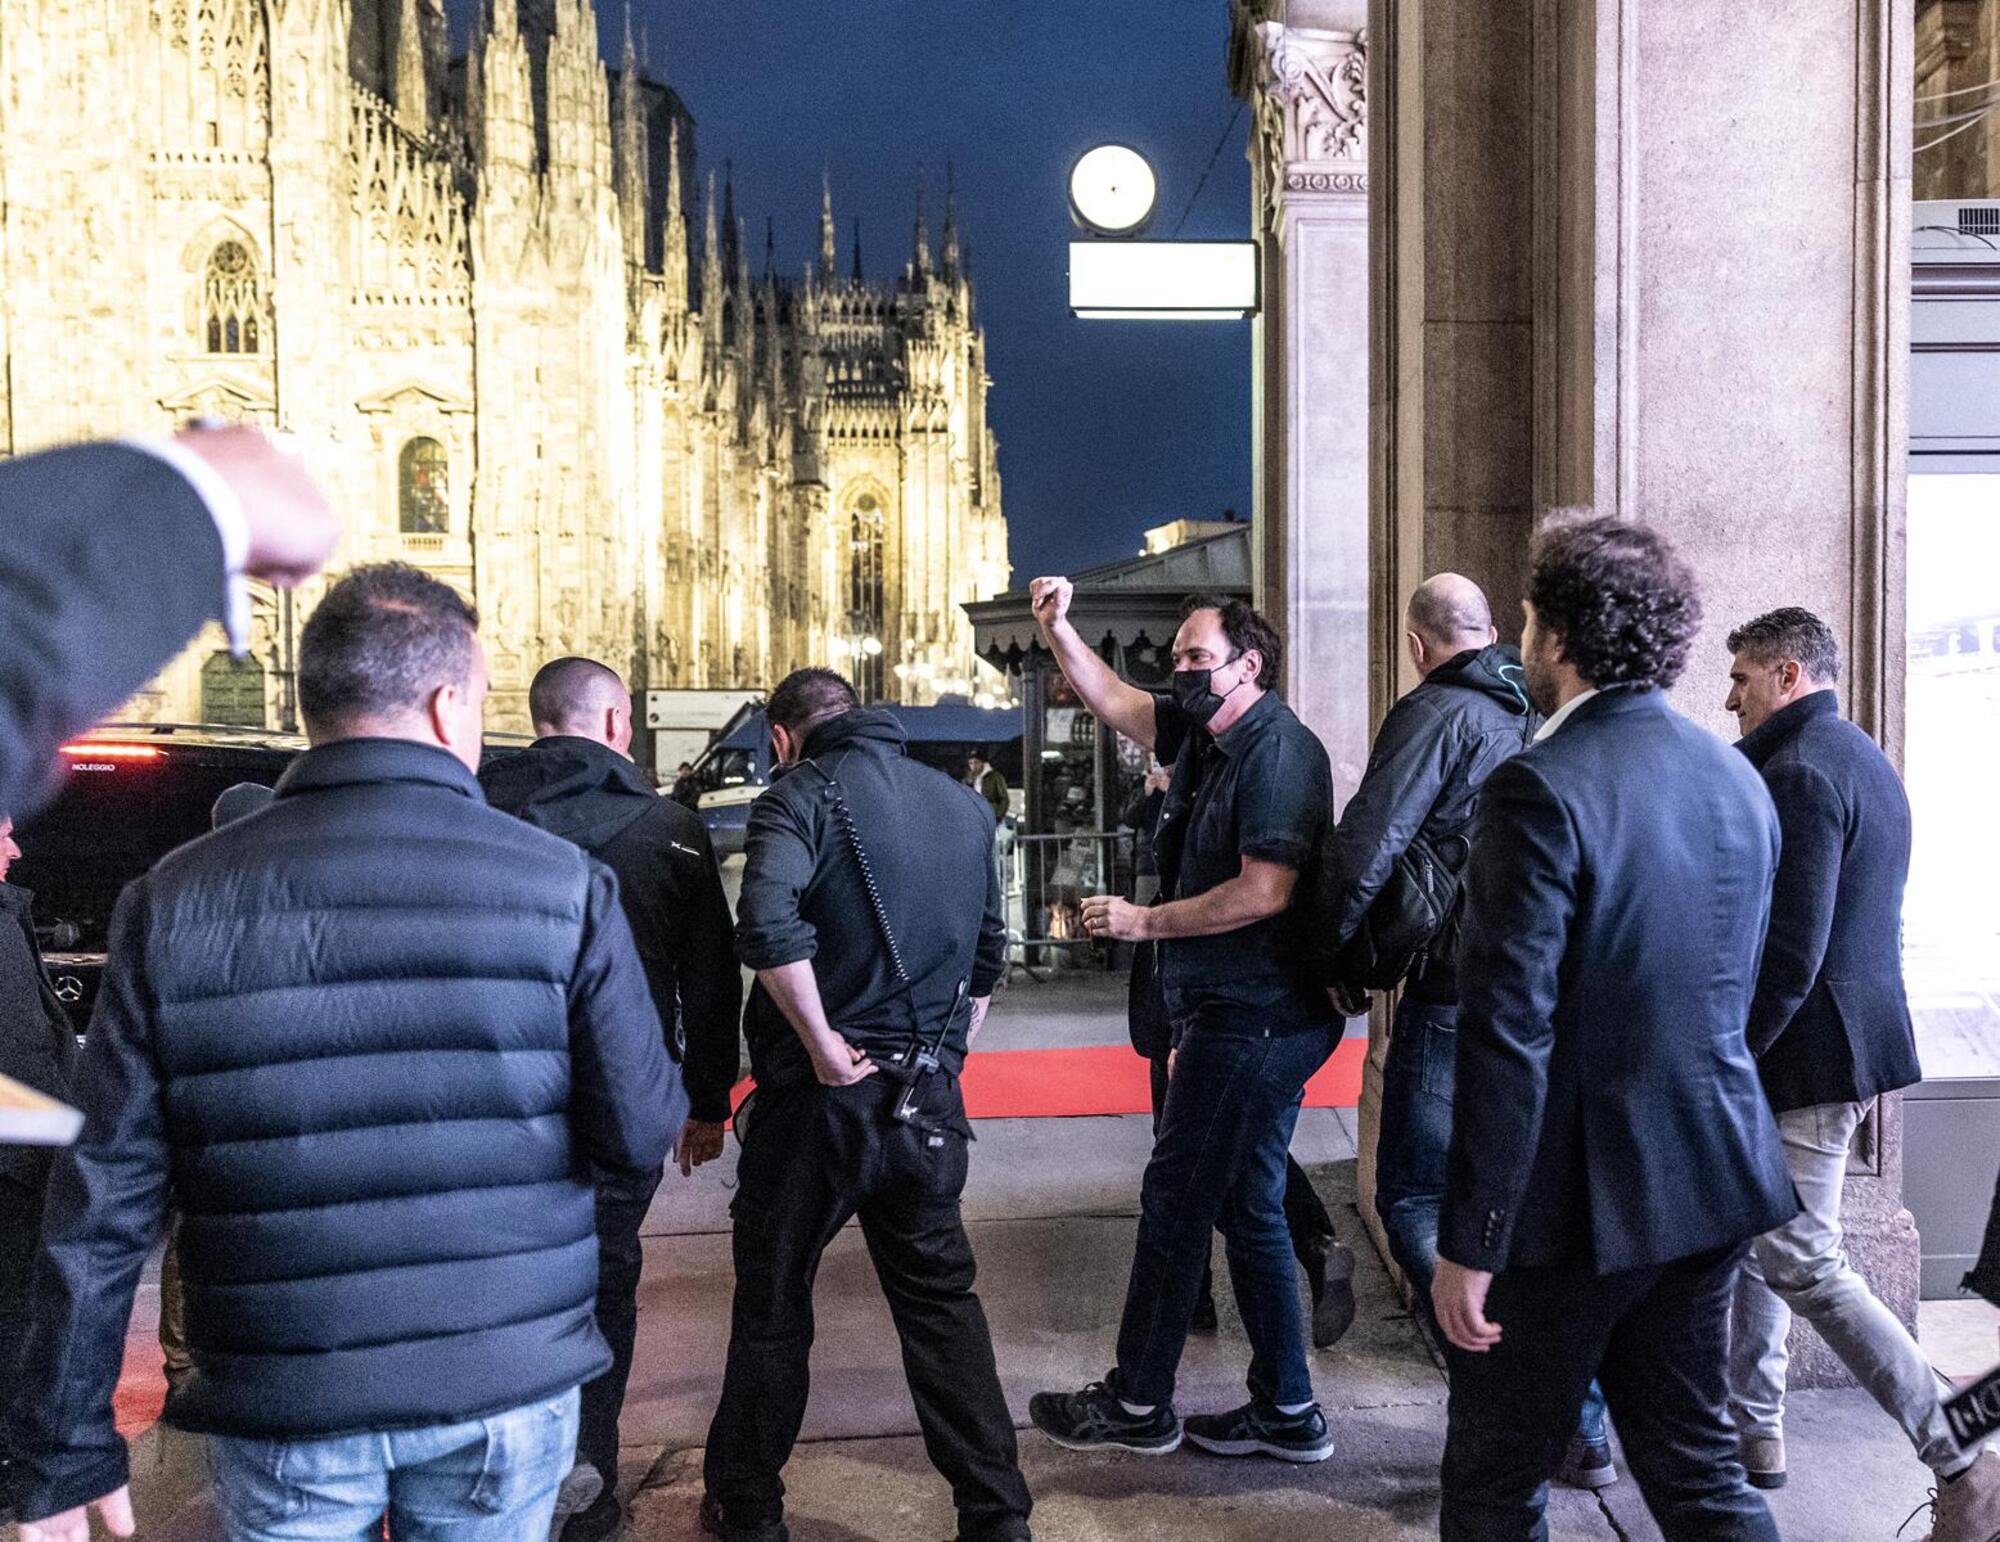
{"points": [[1121, 606]]}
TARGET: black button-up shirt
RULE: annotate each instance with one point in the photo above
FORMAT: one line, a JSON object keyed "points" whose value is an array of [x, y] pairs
{"points": [[1264, 789]]}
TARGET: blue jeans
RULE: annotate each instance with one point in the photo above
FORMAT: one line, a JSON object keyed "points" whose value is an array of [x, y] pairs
{"points": [[485, 1480], [1410, 1153], [1219, 1160]]}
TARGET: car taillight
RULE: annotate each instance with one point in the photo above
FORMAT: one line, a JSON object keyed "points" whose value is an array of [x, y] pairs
{"points": [[112, 751]]}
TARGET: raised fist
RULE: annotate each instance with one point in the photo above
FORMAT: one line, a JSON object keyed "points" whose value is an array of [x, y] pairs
{"points": [[1049, 599]]}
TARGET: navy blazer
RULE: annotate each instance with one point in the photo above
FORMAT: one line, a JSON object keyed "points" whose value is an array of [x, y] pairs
{"points": [[1608, 1108], [1829, 1022]]}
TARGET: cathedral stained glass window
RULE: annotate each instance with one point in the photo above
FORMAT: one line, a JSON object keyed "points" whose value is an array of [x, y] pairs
{"points": [[421, 489], [231, 301]]}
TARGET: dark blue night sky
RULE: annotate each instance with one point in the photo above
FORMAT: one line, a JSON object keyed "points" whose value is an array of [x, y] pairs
{"points": [[1105, 427]]}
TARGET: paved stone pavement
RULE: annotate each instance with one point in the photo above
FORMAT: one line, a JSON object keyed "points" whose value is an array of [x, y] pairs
{"points": [[1051, 1207]]}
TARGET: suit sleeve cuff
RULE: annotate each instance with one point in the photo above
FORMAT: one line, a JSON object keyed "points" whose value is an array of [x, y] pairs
{"points": [[231, 524], [37, 1496]]}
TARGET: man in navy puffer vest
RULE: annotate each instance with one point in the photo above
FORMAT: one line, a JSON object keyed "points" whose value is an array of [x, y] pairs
{"points": [[374, 1036]]}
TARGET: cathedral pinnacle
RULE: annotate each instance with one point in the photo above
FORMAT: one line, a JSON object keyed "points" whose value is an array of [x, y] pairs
{"points": [[828, 260], [857, 248], [412, 89], [920, 262], [950, 225], [770, 251]]}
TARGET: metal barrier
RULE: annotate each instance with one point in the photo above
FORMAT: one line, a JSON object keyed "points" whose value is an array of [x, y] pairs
{"points": [[1048, 877]]}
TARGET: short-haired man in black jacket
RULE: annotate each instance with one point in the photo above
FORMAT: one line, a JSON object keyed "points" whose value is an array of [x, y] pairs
{"points": [[1611, 1150], [871, 913], [376, 1037], [577, 780], [1830, 1026]]}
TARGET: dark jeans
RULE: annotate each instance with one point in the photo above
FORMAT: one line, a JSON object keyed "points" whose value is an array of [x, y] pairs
{"points": [[1410, 1152], [1219, 1159], [815, 1157], [622, 1202], [1658, 1341], [1306, 1217]]}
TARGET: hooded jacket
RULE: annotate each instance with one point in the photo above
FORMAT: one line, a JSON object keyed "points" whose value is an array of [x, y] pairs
{"points": [[929, 842], [375, 1038], [1435, 748], [594, 797]]}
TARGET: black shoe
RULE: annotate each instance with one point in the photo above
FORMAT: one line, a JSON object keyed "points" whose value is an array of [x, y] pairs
{"points": [[1258, 1429], [1094, 1420], [1330, 1273], [1204, 1320], [717, 1525], [597, 1522], [1016, 1532], [1586, 1464]]}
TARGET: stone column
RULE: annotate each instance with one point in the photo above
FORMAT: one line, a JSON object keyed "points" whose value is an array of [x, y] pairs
{"points": [[1306, 80], [1655, 259]]}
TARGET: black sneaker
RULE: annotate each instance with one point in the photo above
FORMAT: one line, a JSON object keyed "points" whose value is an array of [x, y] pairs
{"points": [[1258, 1429], [717, 1525], [1587, 1464], [1094, 1420], [597, 1522], [1330, 1273]]}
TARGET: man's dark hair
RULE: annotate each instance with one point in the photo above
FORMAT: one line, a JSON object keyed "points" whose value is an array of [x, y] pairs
{"points": [[808, 697], [382, 640], [1245, 629], [567, 690], [1623, 603], [1790, 632]]}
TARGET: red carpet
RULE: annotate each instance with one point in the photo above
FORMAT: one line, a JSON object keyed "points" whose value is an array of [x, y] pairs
{"points": [[1107, 1079]]}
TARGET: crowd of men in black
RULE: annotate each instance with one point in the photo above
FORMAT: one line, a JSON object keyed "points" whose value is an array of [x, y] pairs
{"points": [[409, 1047]]}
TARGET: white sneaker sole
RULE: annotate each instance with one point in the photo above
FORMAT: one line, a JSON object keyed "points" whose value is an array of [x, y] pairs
{"points": [[1301, 1455], [1113, 1445]]}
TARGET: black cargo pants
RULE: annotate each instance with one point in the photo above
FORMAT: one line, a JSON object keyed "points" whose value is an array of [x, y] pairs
{"points": [[813, 1158]]}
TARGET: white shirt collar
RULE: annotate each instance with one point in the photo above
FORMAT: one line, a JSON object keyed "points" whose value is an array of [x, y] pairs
{"points": [[1561, 714]]}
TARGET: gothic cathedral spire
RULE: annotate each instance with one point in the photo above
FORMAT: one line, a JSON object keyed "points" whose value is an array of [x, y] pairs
{"points": [[413, 104], [828, 260], [920, 259], [631, 146]]}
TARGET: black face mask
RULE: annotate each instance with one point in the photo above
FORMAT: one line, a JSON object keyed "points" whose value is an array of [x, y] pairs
{"points": [[1194, 695]]}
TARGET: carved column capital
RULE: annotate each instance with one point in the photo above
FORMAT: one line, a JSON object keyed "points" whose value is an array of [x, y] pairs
{"points": [[1309, 90]]}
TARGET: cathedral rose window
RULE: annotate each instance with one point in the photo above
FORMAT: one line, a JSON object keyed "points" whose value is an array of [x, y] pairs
{"points": [[231, 301], [421, 488]]}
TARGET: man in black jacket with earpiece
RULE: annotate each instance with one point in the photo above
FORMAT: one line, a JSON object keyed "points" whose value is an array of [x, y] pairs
{"points": [[871, 914]]}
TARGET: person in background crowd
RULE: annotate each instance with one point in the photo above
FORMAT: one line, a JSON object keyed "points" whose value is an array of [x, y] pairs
{"points": [[1468, 712], [577, 780], [113, 555], [232, 804], [985, 778], [1830, 1026], [685, 792], [1611, 1150], [37, 1049], [1248, 808], [871, 913], [390, 1262]]}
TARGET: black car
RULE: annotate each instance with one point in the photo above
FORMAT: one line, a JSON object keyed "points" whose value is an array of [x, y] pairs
{"points": [[131, 793]]}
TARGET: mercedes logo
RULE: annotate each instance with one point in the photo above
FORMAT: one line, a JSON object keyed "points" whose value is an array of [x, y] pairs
{"points": [[69, 989]]}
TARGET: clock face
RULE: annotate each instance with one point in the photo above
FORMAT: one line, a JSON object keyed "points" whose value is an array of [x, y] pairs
{"points": [[1112, 189]]}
